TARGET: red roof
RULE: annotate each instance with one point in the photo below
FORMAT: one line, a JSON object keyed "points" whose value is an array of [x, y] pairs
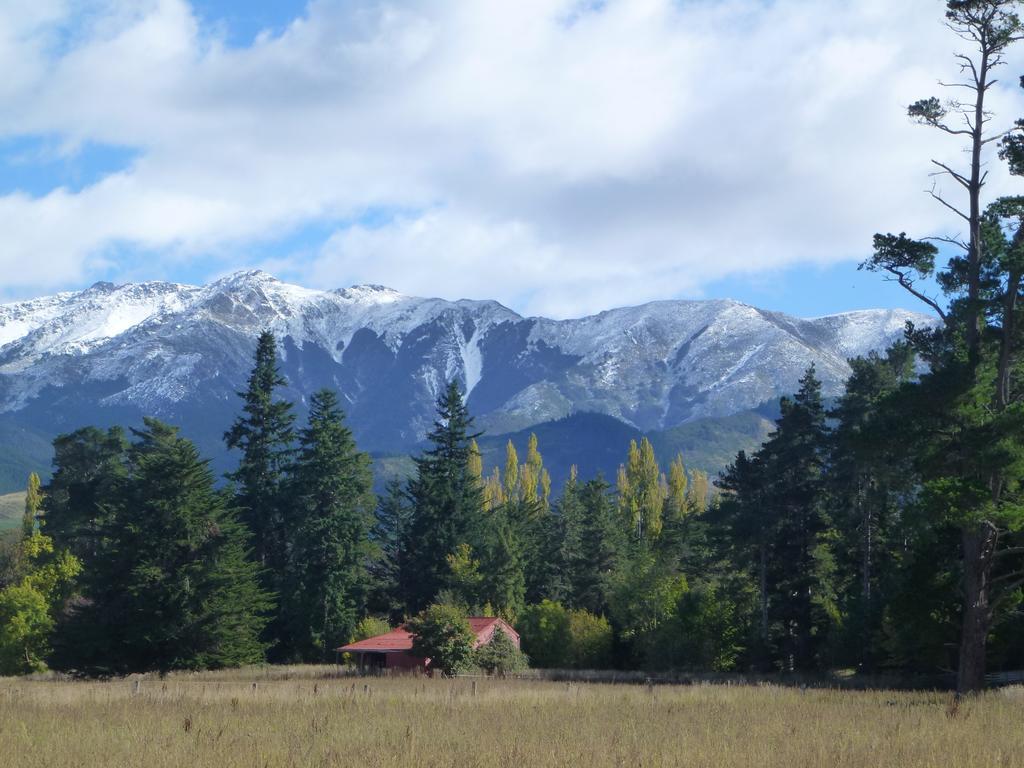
{"points": [[400, 640]]}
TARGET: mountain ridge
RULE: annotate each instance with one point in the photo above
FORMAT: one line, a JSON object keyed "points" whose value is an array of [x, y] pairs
{"points": [[112, 353]]}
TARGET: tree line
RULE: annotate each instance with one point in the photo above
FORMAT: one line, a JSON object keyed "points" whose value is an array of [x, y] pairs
{"points": [[880, 532]]}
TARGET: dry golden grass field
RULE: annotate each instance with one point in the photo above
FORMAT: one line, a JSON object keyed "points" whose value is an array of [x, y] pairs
{"points": [[224, 720]]}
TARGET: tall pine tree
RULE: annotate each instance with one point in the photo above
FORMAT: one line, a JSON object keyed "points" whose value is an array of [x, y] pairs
{"points": [[177, 587], [263, 433], [446, 502], [331, 495]]}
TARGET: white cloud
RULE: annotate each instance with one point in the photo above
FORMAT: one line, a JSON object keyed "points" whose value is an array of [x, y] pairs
{"points": [[560, 156]]}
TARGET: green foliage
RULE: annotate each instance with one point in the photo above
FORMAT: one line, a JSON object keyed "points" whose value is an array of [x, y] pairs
{"points": [[33, 505], [546, 635], [711, 628], [643, 594], [446, 502], [28, 607], [466, 581], [387, 559], [330, 489], [641, 497], [171, 585], [591, 640], [594, 543], [90, 466], [263, 433], [370, 626], [442, 634], [500, 656]]}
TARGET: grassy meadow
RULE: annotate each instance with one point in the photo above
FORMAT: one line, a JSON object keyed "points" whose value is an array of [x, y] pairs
{"points": [[302, 717], [12, 507]]}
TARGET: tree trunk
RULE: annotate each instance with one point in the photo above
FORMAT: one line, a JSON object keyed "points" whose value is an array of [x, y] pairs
{"points": [[978, 546], [977, 181], [763, 585]]}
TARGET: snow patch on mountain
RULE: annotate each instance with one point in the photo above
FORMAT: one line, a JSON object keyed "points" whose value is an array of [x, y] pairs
{"points": [[162, 347]]}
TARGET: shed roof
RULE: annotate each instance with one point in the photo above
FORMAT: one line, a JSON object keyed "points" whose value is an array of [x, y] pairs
{"points": [[400, 639]]}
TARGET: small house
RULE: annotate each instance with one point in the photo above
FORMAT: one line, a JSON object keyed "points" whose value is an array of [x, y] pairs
{"points": [[393, 650]]}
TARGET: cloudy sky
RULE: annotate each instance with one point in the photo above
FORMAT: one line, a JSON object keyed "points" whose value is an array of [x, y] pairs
{"points": [[562, 156]]}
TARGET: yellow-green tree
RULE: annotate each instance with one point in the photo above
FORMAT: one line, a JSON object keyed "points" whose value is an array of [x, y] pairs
{"points": [[494, 492], [640, 493], [511, 471], [28, 607], [698, 492], [476, 462], [676, 500], [33, 503]]}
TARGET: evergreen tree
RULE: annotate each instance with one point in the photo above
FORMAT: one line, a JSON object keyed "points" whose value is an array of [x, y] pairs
{"points": [[446, 502], [388, 559], [89, 469], [746, 528], [779, 527], [602, 546], [965, 434], [177, 589], [264, 435], [331, 493], [869, 479]]}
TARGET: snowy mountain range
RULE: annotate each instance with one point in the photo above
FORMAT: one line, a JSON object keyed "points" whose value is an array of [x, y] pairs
{"points": [[110, 354]]}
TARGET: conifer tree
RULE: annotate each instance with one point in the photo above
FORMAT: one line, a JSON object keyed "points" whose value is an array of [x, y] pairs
{"points": [[970, 466], [446, 502], [264, 435], [89, 469], [332, 501], [388, 561], [178, 588], [803, 590], [869, 474], [602, 546]]}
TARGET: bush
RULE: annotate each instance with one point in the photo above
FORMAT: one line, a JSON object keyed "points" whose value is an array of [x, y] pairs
{"points": [[546, 634], [442, 634], [371, 626], [500, 655], [591, 640]]}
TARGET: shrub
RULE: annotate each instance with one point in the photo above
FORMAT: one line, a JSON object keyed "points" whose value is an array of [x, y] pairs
{"points": [[442, 634], [371, 626], [500, 655], [546, 635], [591, 640]]}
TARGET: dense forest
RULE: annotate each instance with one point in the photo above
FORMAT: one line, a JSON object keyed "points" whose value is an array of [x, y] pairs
{"points": [[884, 533]]}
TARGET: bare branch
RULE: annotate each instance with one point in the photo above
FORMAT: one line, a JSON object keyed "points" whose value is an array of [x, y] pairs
{"points": [[949, 241], [960, 178], [907, 283], [968, 86], [954, 209], [952, 131]]}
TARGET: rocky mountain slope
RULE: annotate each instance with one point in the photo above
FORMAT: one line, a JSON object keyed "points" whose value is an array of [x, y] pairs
{"points": [[110, 354]]}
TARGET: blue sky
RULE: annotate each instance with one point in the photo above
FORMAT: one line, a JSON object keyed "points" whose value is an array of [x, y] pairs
{"points": [[561, 156]]}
